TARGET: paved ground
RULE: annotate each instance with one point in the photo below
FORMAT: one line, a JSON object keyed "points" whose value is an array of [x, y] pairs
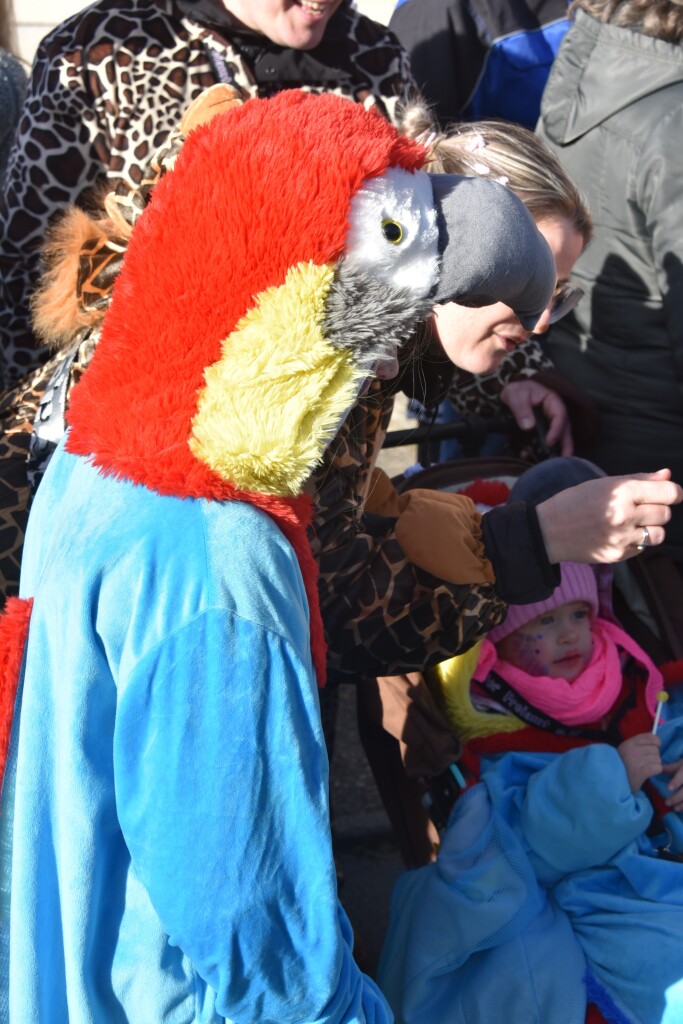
{"points": [[366, 853]]}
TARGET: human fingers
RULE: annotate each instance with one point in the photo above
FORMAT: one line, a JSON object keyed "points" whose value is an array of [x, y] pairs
{"points": [[675, 784], [637, 511], [643, 752], [656, 493], [518, 396], [652, 514], [654, 488], [643, 739], [522, 396], [656, 474], [675, 769], [675, 803], [639, 771], [650, 529], [567, 442], [559, 427], [640, 755], [640, 495], [614, 511]]}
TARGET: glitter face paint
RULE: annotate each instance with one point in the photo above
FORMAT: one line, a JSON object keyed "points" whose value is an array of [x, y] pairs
{"points": [[558, 643]]}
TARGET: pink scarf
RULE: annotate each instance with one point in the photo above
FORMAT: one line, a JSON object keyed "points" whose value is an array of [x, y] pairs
{"points": [[593, 693]]}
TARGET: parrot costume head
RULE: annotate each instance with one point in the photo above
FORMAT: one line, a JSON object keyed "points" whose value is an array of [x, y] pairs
{"points": [[294, 244]]}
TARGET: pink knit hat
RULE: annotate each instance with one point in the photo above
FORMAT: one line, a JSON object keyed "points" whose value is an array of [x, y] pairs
{"points": [[578, 583]]}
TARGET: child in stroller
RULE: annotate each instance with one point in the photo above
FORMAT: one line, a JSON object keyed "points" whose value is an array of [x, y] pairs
{"points": [[557, 893]]}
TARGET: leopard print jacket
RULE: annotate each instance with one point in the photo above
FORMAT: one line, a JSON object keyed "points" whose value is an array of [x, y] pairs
{"points": [[383, 614], [480, 394], [108, 86]]}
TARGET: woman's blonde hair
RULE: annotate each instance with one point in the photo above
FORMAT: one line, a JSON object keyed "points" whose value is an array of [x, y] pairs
{"points": [[503, 152], [662, 19]]}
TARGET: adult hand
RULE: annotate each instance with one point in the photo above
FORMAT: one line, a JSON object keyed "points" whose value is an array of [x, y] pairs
{"points": [[603, 520], [523, 396], [640, 755], [675, 785]]}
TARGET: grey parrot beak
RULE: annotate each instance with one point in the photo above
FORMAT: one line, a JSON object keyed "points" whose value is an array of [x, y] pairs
{"points": [[491, 250]]}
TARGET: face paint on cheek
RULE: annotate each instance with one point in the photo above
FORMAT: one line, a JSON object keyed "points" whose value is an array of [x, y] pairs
{"points": [[522, 650]]}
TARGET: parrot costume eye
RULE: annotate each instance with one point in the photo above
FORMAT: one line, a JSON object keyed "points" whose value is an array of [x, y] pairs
{"points": [[393, 235], [392, 231]]}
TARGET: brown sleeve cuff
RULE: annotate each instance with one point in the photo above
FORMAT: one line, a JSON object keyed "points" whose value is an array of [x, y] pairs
{"points": [[438, 531]]}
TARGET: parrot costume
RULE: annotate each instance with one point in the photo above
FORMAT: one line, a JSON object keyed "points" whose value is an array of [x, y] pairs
{"points": [[165, 834]]}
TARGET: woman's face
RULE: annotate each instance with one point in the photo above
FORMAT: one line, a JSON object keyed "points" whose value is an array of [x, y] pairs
{"points": [[297, 24], [477, 339]]}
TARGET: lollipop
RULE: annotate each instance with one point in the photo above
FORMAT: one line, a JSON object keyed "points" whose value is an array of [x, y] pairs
{"points": [[662, 698]]}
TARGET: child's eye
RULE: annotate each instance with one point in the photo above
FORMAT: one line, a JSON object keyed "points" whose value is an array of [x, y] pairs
{"points": [[581, 614], [547, 620]]}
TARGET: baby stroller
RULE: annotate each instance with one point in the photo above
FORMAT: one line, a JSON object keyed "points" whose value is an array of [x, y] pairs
{"points": [[410, 747]]}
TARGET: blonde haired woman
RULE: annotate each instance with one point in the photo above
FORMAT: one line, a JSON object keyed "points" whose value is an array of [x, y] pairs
{"points": [[509, 364]]}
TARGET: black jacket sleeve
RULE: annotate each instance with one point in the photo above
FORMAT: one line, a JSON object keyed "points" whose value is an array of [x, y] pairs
{"points": [[514, 545]]}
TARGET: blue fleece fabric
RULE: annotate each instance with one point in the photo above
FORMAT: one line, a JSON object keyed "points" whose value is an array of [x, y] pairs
{"points": [[171, 856], [545, 872]]}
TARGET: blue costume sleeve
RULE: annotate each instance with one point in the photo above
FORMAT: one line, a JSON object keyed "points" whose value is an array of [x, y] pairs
{"points": [[574, 810], [221, 782]]}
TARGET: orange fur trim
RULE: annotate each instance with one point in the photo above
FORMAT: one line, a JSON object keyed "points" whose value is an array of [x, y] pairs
{"points": [[57, 312], [217, 99], [13, 632]]}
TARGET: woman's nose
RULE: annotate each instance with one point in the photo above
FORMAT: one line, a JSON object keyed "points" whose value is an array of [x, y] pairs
{"points": [[543, 323]]}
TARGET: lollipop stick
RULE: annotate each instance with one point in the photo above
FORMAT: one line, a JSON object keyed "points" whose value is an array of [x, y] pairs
{"points": [[662, 698]]}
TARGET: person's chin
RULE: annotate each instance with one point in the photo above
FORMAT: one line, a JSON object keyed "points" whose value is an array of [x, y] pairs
{"points": [[307, 28], [569, 668], [302, 40], [487, 361]]}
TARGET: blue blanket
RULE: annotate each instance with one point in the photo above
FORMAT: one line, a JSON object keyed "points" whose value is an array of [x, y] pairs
{"points": [[546, 881]]}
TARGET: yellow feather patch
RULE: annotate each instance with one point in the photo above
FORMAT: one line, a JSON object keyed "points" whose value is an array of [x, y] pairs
{"points": [[277, 395], [451, 681]]}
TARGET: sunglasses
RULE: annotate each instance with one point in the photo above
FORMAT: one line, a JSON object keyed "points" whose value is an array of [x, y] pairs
{"points": [[565, 297]]}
